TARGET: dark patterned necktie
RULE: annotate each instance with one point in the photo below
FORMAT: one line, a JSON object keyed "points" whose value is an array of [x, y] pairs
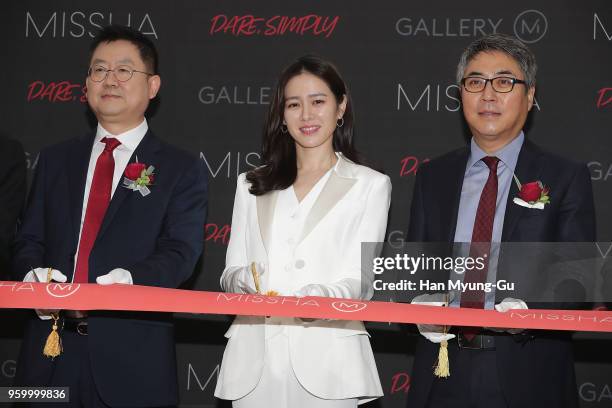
{"points": [[481, 237]]}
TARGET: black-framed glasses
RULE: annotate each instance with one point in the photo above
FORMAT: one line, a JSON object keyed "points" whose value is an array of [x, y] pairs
{"points": [[501, 84], [98, 73]]}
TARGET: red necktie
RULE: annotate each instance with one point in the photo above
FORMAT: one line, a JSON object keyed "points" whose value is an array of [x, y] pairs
{"points": [[481, 237], [97, 203]]}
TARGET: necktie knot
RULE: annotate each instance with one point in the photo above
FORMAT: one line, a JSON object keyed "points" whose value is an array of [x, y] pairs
{"points": [[491, 162], [111, 143]]}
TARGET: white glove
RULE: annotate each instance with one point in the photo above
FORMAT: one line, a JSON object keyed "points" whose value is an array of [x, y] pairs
{"points": [[40, 275], [433, 332], [313, 290], [117, 275], [239, 279], [503, 307], [345, 289]]}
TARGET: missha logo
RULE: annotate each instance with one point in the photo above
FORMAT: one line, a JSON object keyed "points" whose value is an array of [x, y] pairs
{"points": [[432, 97], [230, 165], [563, 317], [345, 306], [280, 300], [600, 29], [61, 290], [278, 25], [77, 24], [204, 381]]}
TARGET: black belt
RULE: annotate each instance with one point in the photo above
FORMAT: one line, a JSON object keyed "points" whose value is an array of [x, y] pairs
{"points": [[476, 342], [78, 326]]}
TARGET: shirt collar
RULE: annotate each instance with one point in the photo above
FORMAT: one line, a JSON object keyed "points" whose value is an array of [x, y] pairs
{"points": [[129, 140], [508, 154]]}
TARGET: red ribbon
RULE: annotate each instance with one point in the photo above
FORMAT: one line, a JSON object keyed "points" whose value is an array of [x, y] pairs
{"points": [[25, 295]]}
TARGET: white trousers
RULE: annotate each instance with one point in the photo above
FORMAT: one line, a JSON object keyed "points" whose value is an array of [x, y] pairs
{"points": [[280, 388]]}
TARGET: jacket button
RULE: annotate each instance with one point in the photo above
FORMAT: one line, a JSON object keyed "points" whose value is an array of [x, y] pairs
{"points": [[300, 263]]}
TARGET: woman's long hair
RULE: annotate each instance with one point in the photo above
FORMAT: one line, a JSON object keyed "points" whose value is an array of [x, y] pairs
{"points": [[279, 167]]}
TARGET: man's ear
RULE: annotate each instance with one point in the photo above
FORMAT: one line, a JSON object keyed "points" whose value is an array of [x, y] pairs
{"points": [[154, 85], [530, 97]]}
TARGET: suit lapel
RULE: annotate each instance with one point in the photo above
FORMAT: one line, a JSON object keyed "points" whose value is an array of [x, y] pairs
{"points": [[528, 169], [77, 175], [336, 187], [146, 152], [265, 211], [449, 194]]}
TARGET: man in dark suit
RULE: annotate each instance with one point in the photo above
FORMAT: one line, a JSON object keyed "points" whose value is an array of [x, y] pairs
{"points": [[12, 196], [470, 195], [116, 206]]}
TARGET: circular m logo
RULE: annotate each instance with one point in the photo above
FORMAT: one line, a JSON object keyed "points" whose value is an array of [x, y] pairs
{"points": [[530, 26], [348, 306], [61, 290]]}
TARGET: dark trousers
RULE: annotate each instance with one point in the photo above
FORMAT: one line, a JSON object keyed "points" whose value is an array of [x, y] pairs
{"points": [[73, 370], [473, 383]]}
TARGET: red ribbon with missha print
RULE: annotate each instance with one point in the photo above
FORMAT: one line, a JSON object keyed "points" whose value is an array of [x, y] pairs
{"points": [[85, 296]]}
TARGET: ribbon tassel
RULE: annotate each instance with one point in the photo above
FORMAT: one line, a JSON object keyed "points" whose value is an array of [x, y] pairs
{"points": [[442, 369], [53, 345]]}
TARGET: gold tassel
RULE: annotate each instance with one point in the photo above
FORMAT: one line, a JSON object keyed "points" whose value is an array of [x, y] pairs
{"points": [[442, 368], [53, 346]]}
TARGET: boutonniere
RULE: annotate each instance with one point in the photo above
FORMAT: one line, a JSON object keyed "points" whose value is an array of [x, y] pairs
{"points": [[532, 195], [139, 177]]}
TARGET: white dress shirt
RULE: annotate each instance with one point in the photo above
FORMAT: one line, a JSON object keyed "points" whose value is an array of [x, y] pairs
{"points": [[129, 142]]}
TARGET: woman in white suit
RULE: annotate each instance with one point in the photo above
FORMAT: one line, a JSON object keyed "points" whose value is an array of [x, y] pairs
{"points": [[301, 217]]}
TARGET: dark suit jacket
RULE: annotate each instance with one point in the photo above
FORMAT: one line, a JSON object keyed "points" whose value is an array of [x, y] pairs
{"points": [[12, 197], [534, 371], [158, 238]]}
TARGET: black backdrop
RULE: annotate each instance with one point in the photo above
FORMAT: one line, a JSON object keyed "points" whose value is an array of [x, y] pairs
{"points": [[219, 61]]}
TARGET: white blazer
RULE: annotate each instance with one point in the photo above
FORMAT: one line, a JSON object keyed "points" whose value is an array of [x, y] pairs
{"points": [[331, 359]]}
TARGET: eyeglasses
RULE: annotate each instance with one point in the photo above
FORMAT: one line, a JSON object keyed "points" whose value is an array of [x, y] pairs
{"points": [[501, 84], [98, 73]]}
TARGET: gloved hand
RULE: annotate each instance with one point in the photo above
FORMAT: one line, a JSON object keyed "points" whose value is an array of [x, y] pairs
{"points": [[504, 306], [432, 332], [348, 288], [117, 275], [40, 275], [314, 290], [239, 279]]}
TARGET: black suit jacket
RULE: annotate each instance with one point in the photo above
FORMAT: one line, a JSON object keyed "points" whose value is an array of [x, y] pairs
{"points": [[534, 371], [158, 238], [12, 197]]}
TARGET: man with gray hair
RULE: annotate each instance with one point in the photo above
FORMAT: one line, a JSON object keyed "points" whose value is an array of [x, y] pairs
{"points": [[472, 195]]}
